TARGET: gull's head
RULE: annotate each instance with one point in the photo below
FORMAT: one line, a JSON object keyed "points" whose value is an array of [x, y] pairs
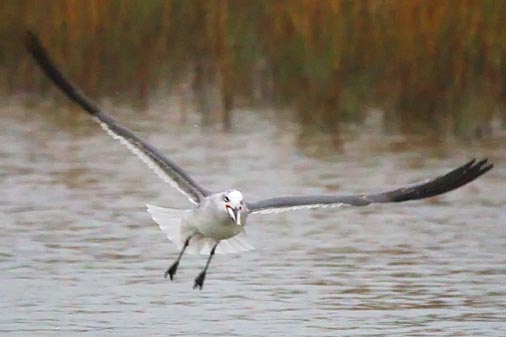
{"points": [[234, 205]]}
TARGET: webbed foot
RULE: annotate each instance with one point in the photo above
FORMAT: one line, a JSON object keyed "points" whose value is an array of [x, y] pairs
{"points": [[199, 281], [172, 270]]}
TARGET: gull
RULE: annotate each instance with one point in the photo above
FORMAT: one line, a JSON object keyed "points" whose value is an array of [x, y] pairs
{"points": [[216, 222]]}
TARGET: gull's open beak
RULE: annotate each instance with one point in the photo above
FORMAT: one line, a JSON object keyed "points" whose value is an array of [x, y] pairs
{"points": [[235, 214]]}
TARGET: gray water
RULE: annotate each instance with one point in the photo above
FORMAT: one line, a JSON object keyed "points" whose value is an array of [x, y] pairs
{"points": [[80, 256]]}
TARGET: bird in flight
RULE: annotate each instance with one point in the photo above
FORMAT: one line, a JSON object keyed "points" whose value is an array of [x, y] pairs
{"points": [[215, 223]]}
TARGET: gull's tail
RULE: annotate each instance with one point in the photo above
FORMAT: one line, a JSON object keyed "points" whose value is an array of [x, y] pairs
{"points": [[169, 220]]}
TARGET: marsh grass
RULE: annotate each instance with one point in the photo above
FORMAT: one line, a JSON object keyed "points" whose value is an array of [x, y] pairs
{"points": [[429, 65]]}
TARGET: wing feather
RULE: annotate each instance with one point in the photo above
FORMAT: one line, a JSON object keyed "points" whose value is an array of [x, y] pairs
{"points": [[432, 187], [166, 169]]}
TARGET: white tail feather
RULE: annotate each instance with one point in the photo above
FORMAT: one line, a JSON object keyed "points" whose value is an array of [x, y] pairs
{"points": [[169, 220]]}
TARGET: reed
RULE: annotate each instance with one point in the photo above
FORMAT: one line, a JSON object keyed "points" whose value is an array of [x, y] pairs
{"points": [[429, 65]]}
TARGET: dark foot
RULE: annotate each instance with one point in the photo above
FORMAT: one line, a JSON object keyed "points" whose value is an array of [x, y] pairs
{"points": [[199, 281], [172, 270]]}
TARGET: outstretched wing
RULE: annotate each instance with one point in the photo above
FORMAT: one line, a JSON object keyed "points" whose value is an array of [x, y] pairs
{"points": [[163, 166], [439, 185]]}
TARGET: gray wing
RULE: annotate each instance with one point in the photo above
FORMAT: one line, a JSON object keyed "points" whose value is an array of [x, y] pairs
{"points": [[439, 185], [163, 166]]}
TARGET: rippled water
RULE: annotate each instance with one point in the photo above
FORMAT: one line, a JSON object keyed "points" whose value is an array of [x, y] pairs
{"points": [[78, 252]]}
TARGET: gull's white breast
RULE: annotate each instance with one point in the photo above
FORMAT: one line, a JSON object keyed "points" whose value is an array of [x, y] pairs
{"points": [[212, 223]]}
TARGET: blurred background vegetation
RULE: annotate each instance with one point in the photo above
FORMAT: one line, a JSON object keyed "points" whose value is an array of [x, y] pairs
{"points": [[428, 66]]}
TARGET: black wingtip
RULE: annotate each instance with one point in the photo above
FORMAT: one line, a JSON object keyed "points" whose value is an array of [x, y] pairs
{"points": [[477, 170], [43, 60], [31, 42], [460, 176], [39, 53], [469, 164], [484, 165], [482, 162], [486, 168]]}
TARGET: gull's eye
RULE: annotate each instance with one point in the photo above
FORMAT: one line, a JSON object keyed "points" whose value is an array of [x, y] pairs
{"points": [[226, 198]]}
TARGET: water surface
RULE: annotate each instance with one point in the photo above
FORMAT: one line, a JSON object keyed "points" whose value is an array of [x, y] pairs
{"points": [[79, 254]]}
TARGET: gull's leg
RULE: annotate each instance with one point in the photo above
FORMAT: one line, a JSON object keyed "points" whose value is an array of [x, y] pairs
{"points": [[199, 281], [172, 269]]}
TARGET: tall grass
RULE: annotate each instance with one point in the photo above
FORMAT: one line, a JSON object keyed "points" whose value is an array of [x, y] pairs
{"points": [[430, 65]]}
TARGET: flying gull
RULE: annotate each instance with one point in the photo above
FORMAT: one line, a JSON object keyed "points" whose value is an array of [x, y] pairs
{"points": [[216, 222]]}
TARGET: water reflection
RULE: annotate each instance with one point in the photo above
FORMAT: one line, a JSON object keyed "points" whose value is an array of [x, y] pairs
{"points": [[433, 67], [78, 253]]}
